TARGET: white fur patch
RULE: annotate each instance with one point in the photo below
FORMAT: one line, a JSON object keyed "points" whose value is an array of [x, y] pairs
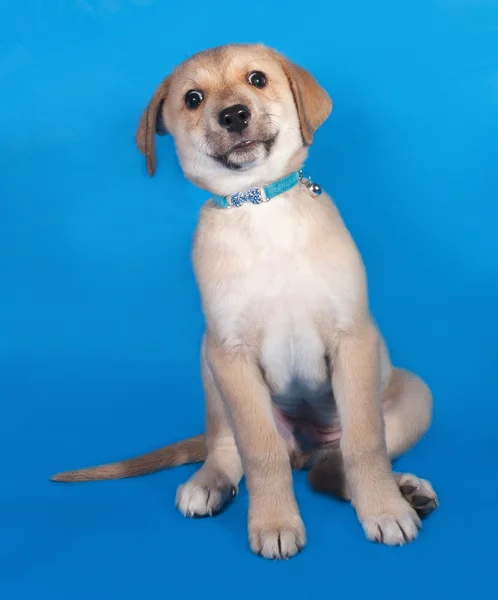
{"points": [[270, 285]]}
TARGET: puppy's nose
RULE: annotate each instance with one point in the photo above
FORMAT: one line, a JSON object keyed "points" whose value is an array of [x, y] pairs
{"points": [[234, 118]]}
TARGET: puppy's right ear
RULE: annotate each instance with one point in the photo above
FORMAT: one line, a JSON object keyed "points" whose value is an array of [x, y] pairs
{"points": [[151, 122]]}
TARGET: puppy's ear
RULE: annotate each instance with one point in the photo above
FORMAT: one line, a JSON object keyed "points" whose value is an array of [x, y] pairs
{"points": [[151, 123], [312, 101]]}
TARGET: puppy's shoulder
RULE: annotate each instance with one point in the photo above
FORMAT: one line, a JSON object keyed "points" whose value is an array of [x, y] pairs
{"points": [[329, 231]]}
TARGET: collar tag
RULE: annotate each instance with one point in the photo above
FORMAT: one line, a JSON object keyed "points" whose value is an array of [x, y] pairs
{"points": [[254, 195]]}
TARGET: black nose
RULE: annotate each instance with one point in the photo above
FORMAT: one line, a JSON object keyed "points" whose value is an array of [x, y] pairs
{"points": [[235, 118]]}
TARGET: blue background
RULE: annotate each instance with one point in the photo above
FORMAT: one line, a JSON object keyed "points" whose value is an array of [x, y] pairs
{"points": [[100, 320]]}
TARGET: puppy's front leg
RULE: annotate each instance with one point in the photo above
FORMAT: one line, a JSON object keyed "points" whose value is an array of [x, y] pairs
{"points": [[275, 526], [386, 517]]}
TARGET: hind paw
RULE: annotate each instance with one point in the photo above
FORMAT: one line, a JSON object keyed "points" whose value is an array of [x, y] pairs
{"points": [[419, 493]]}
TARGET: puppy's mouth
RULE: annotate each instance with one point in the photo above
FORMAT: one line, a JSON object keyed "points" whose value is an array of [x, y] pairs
{"points": [[245, 152], [245, 145]]}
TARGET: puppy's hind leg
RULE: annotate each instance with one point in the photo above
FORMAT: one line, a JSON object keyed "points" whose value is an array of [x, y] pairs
{"points": [[418, 492], [209, 490], [407, 415]]}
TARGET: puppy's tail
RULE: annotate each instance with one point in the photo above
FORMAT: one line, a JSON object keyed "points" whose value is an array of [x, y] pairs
{"points": [[191, 450]]}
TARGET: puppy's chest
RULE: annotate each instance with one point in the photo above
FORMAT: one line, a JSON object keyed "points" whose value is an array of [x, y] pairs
{"points": [[275, 295]]}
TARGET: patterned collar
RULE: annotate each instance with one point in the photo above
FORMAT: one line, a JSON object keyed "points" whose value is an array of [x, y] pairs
{"points": [[257, 195]]}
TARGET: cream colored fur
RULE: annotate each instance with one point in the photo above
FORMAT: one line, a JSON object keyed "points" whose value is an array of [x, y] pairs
{"points": [[285, 300]]}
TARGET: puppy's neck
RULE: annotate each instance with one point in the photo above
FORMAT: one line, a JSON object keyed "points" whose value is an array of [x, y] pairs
{"points": [[224, 182]]}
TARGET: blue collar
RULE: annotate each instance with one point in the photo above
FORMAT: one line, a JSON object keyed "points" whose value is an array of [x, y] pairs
{"points": [[257, 195]]}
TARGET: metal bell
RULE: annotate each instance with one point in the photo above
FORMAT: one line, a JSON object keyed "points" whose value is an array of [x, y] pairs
{"points": [[314, 188]]}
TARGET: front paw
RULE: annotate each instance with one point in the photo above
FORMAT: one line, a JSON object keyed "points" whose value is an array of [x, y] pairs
{"points": [[395, 524], [278, 538], [205, 494]]}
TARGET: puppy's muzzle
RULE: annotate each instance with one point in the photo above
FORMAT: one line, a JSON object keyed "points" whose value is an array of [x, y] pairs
{"points": [[234, 118]]}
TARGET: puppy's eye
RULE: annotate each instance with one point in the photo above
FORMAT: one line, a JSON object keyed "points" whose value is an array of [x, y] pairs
{"points": [[193, 98], [257, 79]]}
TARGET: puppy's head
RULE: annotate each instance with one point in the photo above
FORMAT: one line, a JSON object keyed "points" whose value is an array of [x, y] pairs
{"points": [[239, 115]]}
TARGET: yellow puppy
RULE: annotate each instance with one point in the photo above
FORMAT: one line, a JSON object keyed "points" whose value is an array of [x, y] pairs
{"points": [[295, 371]]}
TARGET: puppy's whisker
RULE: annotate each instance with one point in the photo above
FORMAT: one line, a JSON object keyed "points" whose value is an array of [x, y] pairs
{"points": [[189, 80], [265, 96], [258, 61], [293, 134], [197, 164]]}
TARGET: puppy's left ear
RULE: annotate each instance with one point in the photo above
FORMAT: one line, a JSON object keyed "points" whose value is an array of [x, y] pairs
{"points": [[151, 123], [312, 102]]}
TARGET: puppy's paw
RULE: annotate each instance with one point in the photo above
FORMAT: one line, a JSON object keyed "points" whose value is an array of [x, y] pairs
{"points": [[419, 493], [204, 496], [395, 525], [279, 539]]}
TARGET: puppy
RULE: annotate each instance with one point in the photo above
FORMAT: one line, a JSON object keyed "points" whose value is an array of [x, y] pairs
{"points": [[295, 371]]}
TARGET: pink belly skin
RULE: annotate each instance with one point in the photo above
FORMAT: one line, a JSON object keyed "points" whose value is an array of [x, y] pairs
{"points": [[304, 431]]}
